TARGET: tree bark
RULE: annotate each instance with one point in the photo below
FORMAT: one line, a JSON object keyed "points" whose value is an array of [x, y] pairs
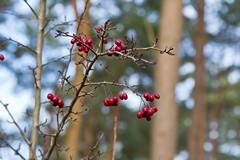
{"points": [[73, 133], [164, 127], [37, 76], [197, 135]]}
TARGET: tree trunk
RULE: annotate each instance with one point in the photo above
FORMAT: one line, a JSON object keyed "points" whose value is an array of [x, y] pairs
{"points": [[73, 133], [197, 133], [164, 127]]}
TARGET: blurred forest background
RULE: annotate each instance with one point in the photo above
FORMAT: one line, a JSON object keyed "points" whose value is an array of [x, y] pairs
{"points": [[199, 108]]}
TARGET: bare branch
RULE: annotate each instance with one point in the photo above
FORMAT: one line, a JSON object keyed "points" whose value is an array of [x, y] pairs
{"points": [[16, 124], [20, 44], [35, 14], [37, 77]]}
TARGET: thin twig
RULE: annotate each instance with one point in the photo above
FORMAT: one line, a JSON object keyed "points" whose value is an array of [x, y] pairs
{"points": [[16, 124], [31, 8], [16, 151], [20, 44]]}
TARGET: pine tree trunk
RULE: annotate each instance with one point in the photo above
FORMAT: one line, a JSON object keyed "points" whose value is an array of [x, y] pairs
{"points": [[73, 139], [197, 135], [164, 128]]}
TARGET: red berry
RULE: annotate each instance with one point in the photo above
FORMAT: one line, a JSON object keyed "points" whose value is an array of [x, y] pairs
{"points": [[145, 95], [78, 43], [150, 98], [55, 99], [150, 112], [115, 98], [84, 40], [111, 102], [91, 46], [145, 109], [105, 41], [81, 48], [89, 41], [148, 118], [157, 96], [118, 42], [121, 96], [139, 114], [54, 103], [122, 47], [106, 102], [73, 40], [155, 109], [50, 96], [1, 57], [144, 115], [98, 29], [125, 96], [78, 37], [60, 103], [117, 48], [85, 50]]}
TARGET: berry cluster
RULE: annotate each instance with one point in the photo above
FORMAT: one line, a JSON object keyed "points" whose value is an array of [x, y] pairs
{"points": [[147, 112], [119, 47], [55, 100], [1, 57], [114, 100], [80, 43], [123, 96], [150, 97]]}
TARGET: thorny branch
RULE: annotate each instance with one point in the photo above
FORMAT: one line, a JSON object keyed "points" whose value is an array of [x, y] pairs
{"points": [[93, 150], [16, 151]]}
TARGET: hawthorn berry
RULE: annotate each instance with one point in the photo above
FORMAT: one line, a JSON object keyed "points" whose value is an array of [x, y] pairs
{"points": [[55, 99], [145, 109], [60, 103], [98, 29], [139, 114], [155, 109], [1, 57], [73, 40], [125, 96], [150, 112], [106, 102], [111, 102], [145, 95], [81, 48], [54, 103], [115, 98], [50, 96], [157, 96], [85, 50], [150, 98], [148, 118], [105, 41], [117, 48], [89, 41], [122, 47], [78, 43], [118, 42]]}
